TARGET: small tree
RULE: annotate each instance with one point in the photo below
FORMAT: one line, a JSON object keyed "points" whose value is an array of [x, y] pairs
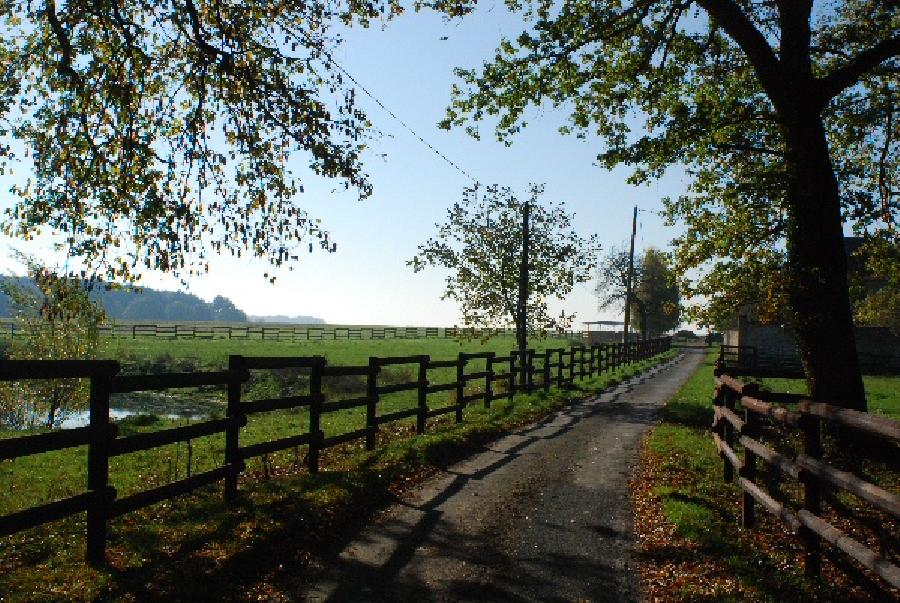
{"points": [[612, 279], [507, 258], [655, 299], [657, 293], [56, 320]]}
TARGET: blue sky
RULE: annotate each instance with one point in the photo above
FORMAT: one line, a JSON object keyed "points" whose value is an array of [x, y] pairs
{"points": [[409, 68]]}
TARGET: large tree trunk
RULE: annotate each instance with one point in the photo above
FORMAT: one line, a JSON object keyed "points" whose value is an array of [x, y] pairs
{"points": [[817, 265]]}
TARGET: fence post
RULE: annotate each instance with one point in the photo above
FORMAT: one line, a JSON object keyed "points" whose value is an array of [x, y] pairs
{"points": [[489, 379], [812, 495], [460, 386], [559, 367], [102, 433], [315, 416], [423, 394], [238, 367], [728, 434], [593, 365], [512, 374], [548, 355], [581, 351], [751, 427], [371, 402], [529, 358], [572, 364]]}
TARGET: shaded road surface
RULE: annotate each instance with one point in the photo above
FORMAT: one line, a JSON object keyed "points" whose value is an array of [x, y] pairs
{"points": [[543, 514]]}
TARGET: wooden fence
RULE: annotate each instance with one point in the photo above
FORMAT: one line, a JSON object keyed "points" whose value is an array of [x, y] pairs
{"points": [[286, 332], [743, 426], [100, 500]]}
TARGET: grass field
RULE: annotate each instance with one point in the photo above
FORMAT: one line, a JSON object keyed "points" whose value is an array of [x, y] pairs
{"points": [[36, 479], [213, 353], [285, 522], [688, 519]]}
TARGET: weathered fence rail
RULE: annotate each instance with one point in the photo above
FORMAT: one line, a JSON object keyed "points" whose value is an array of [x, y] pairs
{"points": [[739, 411], [101, 501], [285, 332]]}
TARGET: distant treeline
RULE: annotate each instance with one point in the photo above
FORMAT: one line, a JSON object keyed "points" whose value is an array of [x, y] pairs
{"points": [[143, 303], [289, 320]]}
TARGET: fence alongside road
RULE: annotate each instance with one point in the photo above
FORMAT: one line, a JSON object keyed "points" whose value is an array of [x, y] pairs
{"points": [[514, 373], [286, 332], [819, 480]]}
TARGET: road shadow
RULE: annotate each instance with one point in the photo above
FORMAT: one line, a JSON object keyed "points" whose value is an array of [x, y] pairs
{"points": [[418, 526], [283, 559]]}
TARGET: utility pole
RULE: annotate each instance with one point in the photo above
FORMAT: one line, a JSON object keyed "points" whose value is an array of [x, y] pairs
{"points": [[630, 280], [522, 301]]}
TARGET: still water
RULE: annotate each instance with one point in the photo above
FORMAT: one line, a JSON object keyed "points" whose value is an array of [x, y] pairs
{"points": [[161, 405]]}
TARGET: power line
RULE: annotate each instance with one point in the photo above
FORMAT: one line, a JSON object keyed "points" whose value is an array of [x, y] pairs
{"points": [[378, 102]]}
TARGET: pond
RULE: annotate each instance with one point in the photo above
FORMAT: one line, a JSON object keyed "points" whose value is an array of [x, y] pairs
{"points": [[162, 405]]}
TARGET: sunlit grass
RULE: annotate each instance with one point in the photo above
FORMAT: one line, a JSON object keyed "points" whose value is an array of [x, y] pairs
{"points": [[706, 512]]}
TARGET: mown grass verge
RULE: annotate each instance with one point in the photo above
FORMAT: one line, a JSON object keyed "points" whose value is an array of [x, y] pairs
{"points": [[688, 520], [282, 528]]}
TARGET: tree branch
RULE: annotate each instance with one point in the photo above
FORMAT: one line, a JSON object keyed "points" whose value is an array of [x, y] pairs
{"points": [[729, 16], [65, 44], [840, 79]]}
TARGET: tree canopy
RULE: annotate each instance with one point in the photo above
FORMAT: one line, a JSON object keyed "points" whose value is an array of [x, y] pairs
{"points": [[676, 67], [159, 132], [783, 113], [480, 244]]}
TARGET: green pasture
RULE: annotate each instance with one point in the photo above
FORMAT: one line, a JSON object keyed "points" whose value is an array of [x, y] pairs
{"points": [[213, 353], [36, 479]]}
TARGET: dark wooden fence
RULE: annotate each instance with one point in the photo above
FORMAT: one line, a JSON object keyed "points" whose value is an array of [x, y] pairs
{"points": [[287, 332], [550, 367], [743, 411]]}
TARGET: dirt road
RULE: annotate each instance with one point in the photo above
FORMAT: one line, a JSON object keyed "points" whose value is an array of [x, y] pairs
{"points": [[540, 515]]}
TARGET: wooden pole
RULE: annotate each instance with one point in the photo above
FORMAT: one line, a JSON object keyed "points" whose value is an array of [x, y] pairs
{"points": [[630, 278], [372, 402], [522, 300], [232, 432], [98, 468], [315, 417], [423, 394]]}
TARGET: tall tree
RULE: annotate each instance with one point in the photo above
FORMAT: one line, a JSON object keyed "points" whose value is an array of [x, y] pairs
{"points": [[157, 132], [482, 243], [766, 103]]}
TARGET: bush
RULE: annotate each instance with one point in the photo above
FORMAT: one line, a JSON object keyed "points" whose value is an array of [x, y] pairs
{"points": [[56, 321]]}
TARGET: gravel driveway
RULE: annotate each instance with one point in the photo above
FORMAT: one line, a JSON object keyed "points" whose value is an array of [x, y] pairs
{"points": [[543, 514]]}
